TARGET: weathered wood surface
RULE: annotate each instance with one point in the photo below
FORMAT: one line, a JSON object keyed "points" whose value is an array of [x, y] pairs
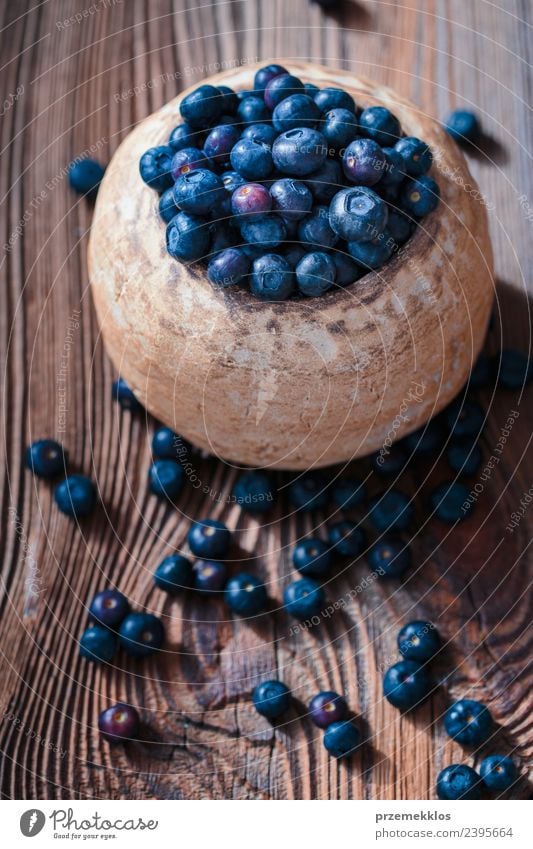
{"points": [[70, 89]]}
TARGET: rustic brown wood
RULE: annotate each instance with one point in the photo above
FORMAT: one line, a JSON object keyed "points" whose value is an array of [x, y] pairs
{"points": [[204, 738]]}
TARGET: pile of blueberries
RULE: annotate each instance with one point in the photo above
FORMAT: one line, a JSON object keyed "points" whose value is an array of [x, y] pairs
{"points": [[288, 188]]}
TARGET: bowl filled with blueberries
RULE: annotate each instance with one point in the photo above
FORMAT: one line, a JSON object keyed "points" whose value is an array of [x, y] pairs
{"points": [[284, 258]]}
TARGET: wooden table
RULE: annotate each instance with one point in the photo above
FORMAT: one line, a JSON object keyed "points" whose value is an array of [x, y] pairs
{"points": [[79, 84]]}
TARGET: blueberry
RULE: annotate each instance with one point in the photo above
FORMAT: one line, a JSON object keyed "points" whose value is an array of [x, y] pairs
{"points": [[334, 98], [271, 699], [391, 511], [232, 180], [291, 198], [498, 772], [125, 396], [464, 456], [326, 181], [363, 162], [347, 270], [246, 595], [167, 207], [252, 110], [109, 607], [389, 462], [394, 170], [261, 132], [304, 598], [202, 107], [389, 557], [297, 110], [308, 492], [341, 739], [373, 254], [348, 492], [468, 722], [299, 152], [251, 159], [294, 254], [418, 640], [168, 445], [272, 279], [264, 75], [187, 237], [251, 200], [187, 159], [339, 127], [312, 557], [119, 723], [463, 126], [458, 781], [449, 501], [46, 458], [427, 440], [420, 196], [380, 125], [406, 685], [465, 418], [184, 136], [347, 538], [254, 492], [166, 478], [266, 232], [98, 644], [75, 496], [482, 374], [326, 708], [155, 167], [209, 538], [141, 634], [229, 267], [358, 214], [85, 176], [174, 574], [315, 274], [399, 226], [316, 230], [210, 577], [311, 89], [223, 235], [197, 191], [229, 100], [219, 144], [416, 155], [514, 370], [280, 87]]}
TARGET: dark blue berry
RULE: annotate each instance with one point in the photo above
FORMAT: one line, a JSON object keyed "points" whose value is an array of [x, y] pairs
{"points": [[267, 232], [297, 110], [280, 87], [253, 110], [394, 170], [379, 124], [119, 723], [389, 462], [273, 278], [98, 644], [326, 181], [246, 595], [254, 492], [85, 176], [291, 198], [373, 254], [358, 214], [347, 270], [197, 191], [463, 126], [229, 267], [341, 739], [109, 608], [458, 781], [348, 492], [449, 501], [187, 159], [299, 152], [416, 155], [498, 772], [187, 237], [465, 418], [304, 598], [420, 196], [311, 89], [514, 370], [468, 722], [308, 492], [209, 577], [168, 445], [418, 640], [261, 132], [252, 159], [124, 395], [167, 207], [339, 127], [294, 254], [251, 200], [315, 274], [46, 458], [399, 226], [312, 557], [219, 144], [202, 107], [482, 375], [406, 685], [184, 136], [391, 511], [363, 162], [264, 75], [326, 708], [229, 100], [271, 699], [232, 180], [427, 440], [174, 574], [464, 456], [334, 98], [389, 557], [347, 538], [166, 478], [75, 496], [209, 538], [155, 167], [316, 230], [141, 634]]}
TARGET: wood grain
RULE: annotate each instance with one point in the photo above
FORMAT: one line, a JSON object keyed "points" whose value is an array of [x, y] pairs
{"points": [[202, 738]]}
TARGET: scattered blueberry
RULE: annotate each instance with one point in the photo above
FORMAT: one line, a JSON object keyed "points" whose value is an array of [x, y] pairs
{"points": [[141, 634], [390, 557], [348, 492], [304, 598], [458, 781], [46, 458], [308, 492], [254, 492], [312, 557], [406, 685], [124, 395], [482, 375], [209, 538], [469, 722], [85, 176], [341, 739], [166, 478], [498, 772], [174, 574], [389, 462], [271, 699], [119, 723], [209, 576], [450, 502], [347, 538], [168, 445], [326, 708], [427, 440], [393, 510], [464, 456], [246, 595], [75, 496], [463, 126], [418, 641], [98, 644], [514, 370], [108, 608]]}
